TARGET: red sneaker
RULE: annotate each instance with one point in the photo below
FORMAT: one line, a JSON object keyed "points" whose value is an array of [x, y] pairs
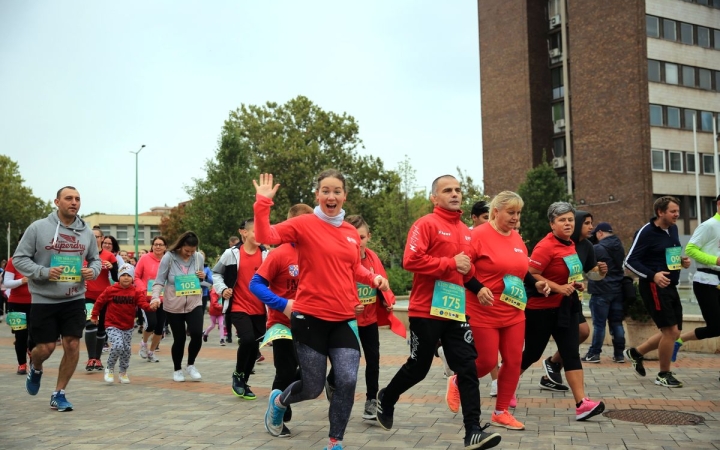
{"points": [[22, 369]]}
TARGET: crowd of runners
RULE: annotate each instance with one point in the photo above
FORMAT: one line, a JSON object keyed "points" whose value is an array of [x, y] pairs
{"points": [[479, 300]]}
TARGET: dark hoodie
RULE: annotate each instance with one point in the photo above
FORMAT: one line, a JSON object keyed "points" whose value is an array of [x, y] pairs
{"points": [[610, 250], [584, 248]]}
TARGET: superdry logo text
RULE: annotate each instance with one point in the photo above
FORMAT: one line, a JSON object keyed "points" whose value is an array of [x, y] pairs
{"points": [[67, 246]]}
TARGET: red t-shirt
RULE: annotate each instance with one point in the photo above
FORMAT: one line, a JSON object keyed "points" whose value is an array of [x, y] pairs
{"points": [[547, 257], [146, 270], [282, 271], [432, 243], [369, 315], [98, 285], [243, 300], [330, 256], [20, 294], [121, 306], [496, 256]]}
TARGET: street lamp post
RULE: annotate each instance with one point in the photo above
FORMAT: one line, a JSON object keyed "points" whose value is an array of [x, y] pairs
{"points": [[136, 198]]}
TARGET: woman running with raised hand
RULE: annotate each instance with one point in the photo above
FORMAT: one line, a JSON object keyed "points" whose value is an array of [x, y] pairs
{"points": [[323, 319], [154, 321]]}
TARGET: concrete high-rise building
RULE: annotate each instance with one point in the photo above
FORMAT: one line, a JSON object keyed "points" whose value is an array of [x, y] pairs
{"points": [[608, 91]]}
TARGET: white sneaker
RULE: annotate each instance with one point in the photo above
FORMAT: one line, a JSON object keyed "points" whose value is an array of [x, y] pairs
{"points": [[143, 350], [124, 379], [448, 370], [178, 376], [151, 357], [493, 388], [109, 376], [193, 373]]}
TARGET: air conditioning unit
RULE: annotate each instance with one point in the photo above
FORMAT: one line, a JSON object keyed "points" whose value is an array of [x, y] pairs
{"points": [[559, 124], [558, 162], [554, 22], [555, 53]]}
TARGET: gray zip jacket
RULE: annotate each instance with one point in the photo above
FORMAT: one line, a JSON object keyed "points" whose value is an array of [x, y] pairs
{"points": [[172, 265], [47, 237]]}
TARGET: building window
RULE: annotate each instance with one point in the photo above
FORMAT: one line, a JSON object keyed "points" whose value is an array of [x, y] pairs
{"points": [[703, 37], [656, 115], [671, 73], [673, 117], [558, 88], [676, 161], [658, 160], [708, 164], [122, 236], [558, 111], [706, 121], [654, 70], [692, 209], [558, 147], [140, 235], [705, 79], [686, 34], [690, 162], [716, 35], [717, 81], [652, 26], [709, 206], [105, 230], [703, 2], [669, 30], [688, 118], [688, 76], [154, 231]]}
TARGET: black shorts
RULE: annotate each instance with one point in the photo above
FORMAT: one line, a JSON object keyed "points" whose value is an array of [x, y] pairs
{"points": [[322, 335], [663, 304], [581, 317], [50, 321]]}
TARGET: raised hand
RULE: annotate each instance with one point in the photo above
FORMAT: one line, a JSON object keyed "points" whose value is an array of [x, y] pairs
{"points": [[265, 187]]}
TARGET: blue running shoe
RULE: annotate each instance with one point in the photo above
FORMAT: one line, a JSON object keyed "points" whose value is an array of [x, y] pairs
{"points": [[59, 402], [32, 382], [676, 347], [274, 415], [337, 445]]}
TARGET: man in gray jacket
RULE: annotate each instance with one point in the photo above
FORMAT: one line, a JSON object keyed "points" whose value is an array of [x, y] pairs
{"points": [[51, 254]]}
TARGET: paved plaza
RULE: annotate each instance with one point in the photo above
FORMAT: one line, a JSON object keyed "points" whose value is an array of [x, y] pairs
{"points": [[154, 412]]}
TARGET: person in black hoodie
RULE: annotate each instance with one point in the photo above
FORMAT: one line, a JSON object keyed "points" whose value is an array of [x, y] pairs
{"points": [[606, 303], [552, 380]]}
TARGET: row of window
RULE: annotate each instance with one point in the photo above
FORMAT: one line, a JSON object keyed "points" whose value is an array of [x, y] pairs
{"points": [[123, 234], [710, 3], [670, 116], [689, 76], [681, 162], [686, 33]]}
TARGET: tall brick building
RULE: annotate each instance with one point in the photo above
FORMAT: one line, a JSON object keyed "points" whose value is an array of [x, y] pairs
{"points": [[608, 89]]}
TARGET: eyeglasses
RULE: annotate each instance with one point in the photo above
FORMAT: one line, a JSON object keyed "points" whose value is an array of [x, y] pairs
{"points": [[158, 245]]}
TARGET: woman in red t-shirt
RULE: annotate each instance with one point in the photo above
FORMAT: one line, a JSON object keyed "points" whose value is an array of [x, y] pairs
{"points": [[18, 302], [323, 312], [554, 260]]}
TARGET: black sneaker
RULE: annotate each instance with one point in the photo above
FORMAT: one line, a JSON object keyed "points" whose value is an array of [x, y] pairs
{"points": [[285, 432], [384, 415], [589, 358], [238, 385], [637, 362], [478, 438], [668, 380], [550, 385], [288, 414], [205, 337], [619, 359], [552, 370]]}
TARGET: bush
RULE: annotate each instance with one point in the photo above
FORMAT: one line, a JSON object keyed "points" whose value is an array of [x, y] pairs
{"points": [[634, 306], [400, 280]]}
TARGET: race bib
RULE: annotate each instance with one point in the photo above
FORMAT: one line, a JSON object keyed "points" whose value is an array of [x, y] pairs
{"points": [[574, 268], [71, 264], [277, 331], [448, 301], [514, 292], [367, 294], [673, 258], [187, 285], [149, 289], [17, 320], [88, 310]]}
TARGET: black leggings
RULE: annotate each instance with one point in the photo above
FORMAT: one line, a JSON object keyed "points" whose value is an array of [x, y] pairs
{"points": [[23, 343], [540, 324], [178, 322], [95, 334], [155, 320], [708, 298]]}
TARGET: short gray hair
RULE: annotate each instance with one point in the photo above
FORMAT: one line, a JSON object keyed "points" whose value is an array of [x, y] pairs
{"points": [[558, 209]]}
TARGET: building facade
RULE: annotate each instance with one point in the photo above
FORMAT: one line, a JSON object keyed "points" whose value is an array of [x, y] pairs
{"points": [[122, 227], [606, 91]]}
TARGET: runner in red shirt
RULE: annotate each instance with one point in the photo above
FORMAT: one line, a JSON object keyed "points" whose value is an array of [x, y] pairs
{"points": [[19, 303], [323, 319]]}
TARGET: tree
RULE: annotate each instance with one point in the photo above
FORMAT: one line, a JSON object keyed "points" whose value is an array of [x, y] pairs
{"points": [[19, 207], [541, 187], [472, 194], [173, 225], [295, 142]]}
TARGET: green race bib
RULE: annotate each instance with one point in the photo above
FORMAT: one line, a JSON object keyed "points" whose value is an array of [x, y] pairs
{"points": [[367, 294], [673, 258], [88, 310], [71, 264], [514, 292], [187, 285], [448, 301], [277, 331], [574, 268], [17, 320]]}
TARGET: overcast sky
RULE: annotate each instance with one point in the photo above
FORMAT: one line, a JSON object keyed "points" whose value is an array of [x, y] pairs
{"points": [[84, 83]]}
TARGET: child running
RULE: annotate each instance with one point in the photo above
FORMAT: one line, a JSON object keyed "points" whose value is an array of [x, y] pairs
{"points": [[216, 317], [121, 299]]}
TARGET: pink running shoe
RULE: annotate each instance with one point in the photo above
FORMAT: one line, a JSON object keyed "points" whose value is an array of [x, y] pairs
{"points": [[588, 409]]}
